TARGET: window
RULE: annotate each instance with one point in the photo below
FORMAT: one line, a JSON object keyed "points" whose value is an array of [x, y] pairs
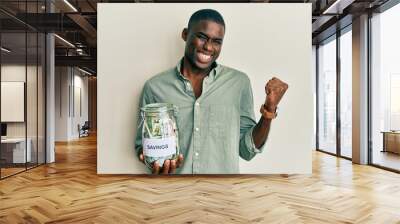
{"points": [[385, 88], [327, 96], [346, 93]]}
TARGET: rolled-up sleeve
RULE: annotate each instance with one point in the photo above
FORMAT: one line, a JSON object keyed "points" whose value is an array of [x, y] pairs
{"points": [[247, 148]]}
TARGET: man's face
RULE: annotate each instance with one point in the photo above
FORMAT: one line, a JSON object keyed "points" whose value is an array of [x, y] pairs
{"points": [[203, 43]]}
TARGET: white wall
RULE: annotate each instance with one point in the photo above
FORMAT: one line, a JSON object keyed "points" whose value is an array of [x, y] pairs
{"points": [[80, 84], [61, 103], [67, 84], [136, 41]]}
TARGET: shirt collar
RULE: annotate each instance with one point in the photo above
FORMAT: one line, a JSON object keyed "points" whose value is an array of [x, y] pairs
{"points": [[213, 73]]}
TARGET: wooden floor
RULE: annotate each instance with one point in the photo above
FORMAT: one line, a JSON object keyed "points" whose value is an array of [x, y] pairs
{"points": [[8, 171], [5, 172], [70, 191]]}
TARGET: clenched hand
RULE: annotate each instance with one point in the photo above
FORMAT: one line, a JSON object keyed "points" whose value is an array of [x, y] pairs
{"points": [[275, 89]]}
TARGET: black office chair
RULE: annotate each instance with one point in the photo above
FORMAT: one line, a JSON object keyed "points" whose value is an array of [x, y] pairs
{"points": [[84, 130]]}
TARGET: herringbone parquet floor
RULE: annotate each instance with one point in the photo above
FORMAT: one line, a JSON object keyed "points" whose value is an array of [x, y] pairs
{"points": [[70, 191]]}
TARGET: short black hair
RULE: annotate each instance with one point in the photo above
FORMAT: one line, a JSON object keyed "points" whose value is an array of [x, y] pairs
{"points": [[206, 14]]}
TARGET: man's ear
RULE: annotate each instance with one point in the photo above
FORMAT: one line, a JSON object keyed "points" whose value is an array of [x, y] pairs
{"points": [[184, 34]]}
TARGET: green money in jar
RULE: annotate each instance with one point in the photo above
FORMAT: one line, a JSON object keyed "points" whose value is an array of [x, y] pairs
{"points": [[159, 133]]}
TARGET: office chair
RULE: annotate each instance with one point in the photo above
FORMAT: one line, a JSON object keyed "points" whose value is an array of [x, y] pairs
{"points": [[84, 130]]}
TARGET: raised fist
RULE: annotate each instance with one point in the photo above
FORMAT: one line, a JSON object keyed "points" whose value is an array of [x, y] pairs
{"points": [[275, 89]]}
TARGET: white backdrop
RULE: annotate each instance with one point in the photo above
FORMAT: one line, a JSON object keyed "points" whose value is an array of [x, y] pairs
{"points": [[137, 41]]}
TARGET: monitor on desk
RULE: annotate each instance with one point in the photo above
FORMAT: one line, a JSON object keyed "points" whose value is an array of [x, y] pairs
{"points": [[3, 130]]}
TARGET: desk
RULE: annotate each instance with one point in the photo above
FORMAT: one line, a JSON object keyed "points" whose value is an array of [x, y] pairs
{"points": [[15, 148], [391, 141]]}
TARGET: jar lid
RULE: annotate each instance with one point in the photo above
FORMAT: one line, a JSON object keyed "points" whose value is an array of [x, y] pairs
{"points": [[158, 108]]}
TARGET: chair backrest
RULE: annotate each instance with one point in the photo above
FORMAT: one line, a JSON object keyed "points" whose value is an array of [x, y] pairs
{"points": [[86, 125]]}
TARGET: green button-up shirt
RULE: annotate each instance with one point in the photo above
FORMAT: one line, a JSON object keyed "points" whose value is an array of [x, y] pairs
{"points": [[214, 129]]}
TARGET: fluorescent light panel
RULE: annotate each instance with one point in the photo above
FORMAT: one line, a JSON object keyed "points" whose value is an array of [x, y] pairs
{"points": [[65, 41], [84, 71], [331, 7], [5, 50], [70, 5]]}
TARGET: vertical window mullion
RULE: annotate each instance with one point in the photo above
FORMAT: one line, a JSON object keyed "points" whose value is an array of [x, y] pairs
{"points": [[0, 92], [26, 86], [37, 90], [338, 73], [369, 90], [317, 96]]}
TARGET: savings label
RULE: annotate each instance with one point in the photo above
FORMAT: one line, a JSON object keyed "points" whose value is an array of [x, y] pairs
{"points": [[159, 147]]}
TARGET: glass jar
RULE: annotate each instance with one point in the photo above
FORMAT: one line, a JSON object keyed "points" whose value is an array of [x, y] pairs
{"points": [[159, 133]]}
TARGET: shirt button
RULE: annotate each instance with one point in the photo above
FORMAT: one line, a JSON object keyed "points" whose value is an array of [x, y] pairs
{"points": [[197, 129], [197, 104], [197, 154]]}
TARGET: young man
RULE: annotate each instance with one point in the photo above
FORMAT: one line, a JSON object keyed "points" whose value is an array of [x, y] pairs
{"points": [[216, 119]]}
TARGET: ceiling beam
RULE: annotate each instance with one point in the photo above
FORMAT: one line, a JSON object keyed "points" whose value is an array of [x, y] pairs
{"points": [[84, 24], [84, 61]]}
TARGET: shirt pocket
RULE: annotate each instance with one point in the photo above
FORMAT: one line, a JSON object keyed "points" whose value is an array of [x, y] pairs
{"points": [[219, 122]]}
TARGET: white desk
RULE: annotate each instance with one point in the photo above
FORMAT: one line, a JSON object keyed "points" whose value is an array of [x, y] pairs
{"points": [[18, 149]]}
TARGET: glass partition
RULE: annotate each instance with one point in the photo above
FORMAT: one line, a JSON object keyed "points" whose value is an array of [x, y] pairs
{"points": [[13, 109], [22, 77], [32, 95]]}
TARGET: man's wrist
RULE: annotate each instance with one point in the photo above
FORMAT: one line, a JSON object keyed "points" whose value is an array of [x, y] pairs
{"points": [[267, 114], [271, 109]]}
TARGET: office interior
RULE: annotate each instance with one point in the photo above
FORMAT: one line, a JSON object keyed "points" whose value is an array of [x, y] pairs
{"points": [[48, 77], [48, 80]]}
